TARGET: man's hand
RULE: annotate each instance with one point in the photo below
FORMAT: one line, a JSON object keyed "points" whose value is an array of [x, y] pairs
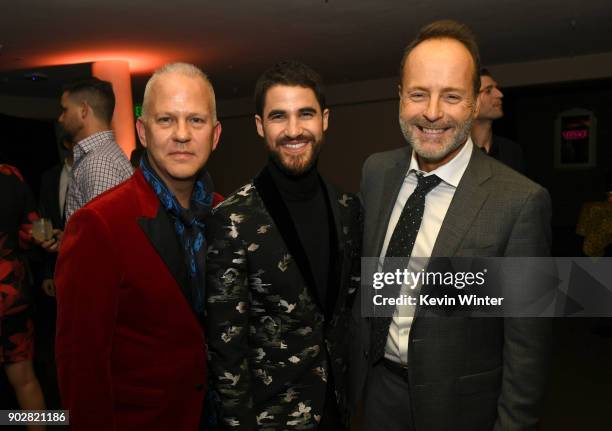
{"points": [[51, 245], [48, 286]]}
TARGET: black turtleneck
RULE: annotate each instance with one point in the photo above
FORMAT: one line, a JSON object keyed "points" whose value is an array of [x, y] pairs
{"points": [[306, 200]]}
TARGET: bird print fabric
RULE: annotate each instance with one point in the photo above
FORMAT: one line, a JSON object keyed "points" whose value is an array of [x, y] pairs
{"points": [[271, 350]]}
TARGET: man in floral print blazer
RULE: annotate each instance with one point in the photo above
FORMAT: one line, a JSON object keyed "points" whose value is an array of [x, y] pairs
{"points": [[283, 270]]}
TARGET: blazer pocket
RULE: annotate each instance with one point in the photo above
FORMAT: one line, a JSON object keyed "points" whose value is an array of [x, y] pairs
{"points": [[488, 381], [139, 396]]}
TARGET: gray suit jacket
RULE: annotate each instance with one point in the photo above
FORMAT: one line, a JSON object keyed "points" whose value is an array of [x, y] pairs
{"points": [[465, 373]]}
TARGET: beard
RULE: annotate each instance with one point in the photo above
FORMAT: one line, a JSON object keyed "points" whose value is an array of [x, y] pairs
{"points": [[296, 164], [445, 146], [70, 132], [69, 136]]}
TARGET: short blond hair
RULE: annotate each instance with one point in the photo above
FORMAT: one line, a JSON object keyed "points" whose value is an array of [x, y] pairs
{"points": [[184, 69]]}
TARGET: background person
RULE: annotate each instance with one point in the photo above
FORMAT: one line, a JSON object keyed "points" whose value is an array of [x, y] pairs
{"points": [[99, 163], [491, 108], [17, 213]]}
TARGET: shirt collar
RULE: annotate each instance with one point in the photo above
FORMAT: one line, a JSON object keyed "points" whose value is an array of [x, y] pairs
{"points": [[450, 172], [84, 146]]}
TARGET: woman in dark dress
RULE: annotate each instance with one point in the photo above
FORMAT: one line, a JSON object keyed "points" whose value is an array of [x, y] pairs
{"points": [[17, 212]]}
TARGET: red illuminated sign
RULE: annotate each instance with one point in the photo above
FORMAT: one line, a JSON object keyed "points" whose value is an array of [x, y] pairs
{"points": [[573, 135]]}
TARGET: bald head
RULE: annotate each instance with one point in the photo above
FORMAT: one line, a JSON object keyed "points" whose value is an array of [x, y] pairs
{"points": [[178, 126], [173, 69]]}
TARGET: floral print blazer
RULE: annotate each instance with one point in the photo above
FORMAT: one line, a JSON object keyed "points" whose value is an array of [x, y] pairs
{"points": [[272, 345]]}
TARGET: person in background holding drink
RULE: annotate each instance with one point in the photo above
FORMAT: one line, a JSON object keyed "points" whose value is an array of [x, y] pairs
{"points": [[17, 214], [52, 200]]}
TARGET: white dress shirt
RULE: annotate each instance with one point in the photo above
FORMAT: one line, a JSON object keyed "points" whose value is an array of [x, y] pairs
{"points": [[437, 202]]}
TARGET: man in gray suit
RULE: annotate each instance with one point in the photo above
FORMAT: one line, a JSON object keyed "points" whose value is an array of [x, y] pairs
{"points": [[440, 197]]}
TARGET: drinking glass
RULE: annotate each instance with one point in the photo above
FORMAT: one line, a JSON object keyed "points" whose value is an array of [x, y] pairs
{"points": [[42, 229]]}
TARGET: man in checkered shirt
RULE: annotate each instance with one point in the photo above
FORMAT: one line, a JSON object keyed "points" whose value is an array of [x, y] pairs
{"points": [[99, 164]]}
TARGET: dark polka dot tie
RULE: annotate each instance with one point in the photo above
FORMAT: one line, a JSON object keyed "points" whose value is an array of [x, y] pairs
{"points": [[401, 245]]}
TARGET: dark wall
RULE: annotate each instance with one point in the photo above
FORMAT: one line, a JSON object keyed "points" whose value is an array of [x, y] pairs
{"points": [[30, 145], [530, 119], [239, 155]]}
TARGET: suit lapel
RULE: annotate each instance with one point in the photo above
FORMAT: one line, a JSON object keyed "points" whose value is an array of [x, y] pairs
{"points": [[338, 268], [465, 206], [392, 183], [279, 213], [161, 234], [467, 202]]}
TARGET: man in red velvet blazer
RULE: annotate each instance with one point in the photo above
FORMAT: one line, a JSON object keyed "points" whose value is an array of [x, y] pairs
{"points": [[130, 347]]}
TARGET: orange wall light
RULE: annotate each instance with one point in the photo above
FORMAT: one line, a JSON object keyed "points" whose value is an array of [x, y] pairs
{"points": [[117, 72], [140, 61]]}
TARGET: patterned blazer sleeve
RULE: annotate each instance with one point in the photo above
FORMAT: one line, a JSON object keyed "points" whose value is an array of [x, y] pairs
{"points": [[227, 322]]}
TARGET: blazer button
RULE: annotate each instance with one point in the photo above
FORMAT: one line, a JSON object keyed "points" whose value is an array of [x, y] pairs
{"points": [[199, 386], [365, 354]]}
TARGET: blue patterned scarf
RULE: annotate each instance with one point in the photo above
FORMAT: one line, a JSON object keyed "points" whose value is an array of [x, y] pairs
{"points": [[189, 226]]}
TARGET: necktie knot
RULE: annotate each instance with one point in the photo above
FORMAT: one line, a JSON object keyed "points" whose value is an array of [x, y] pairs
{"points": [[426, 184]]}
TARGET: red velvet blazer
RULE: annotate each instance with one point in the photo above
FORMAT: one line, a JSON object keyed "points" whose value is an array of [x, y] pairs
{"points": [[130, 351]]}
